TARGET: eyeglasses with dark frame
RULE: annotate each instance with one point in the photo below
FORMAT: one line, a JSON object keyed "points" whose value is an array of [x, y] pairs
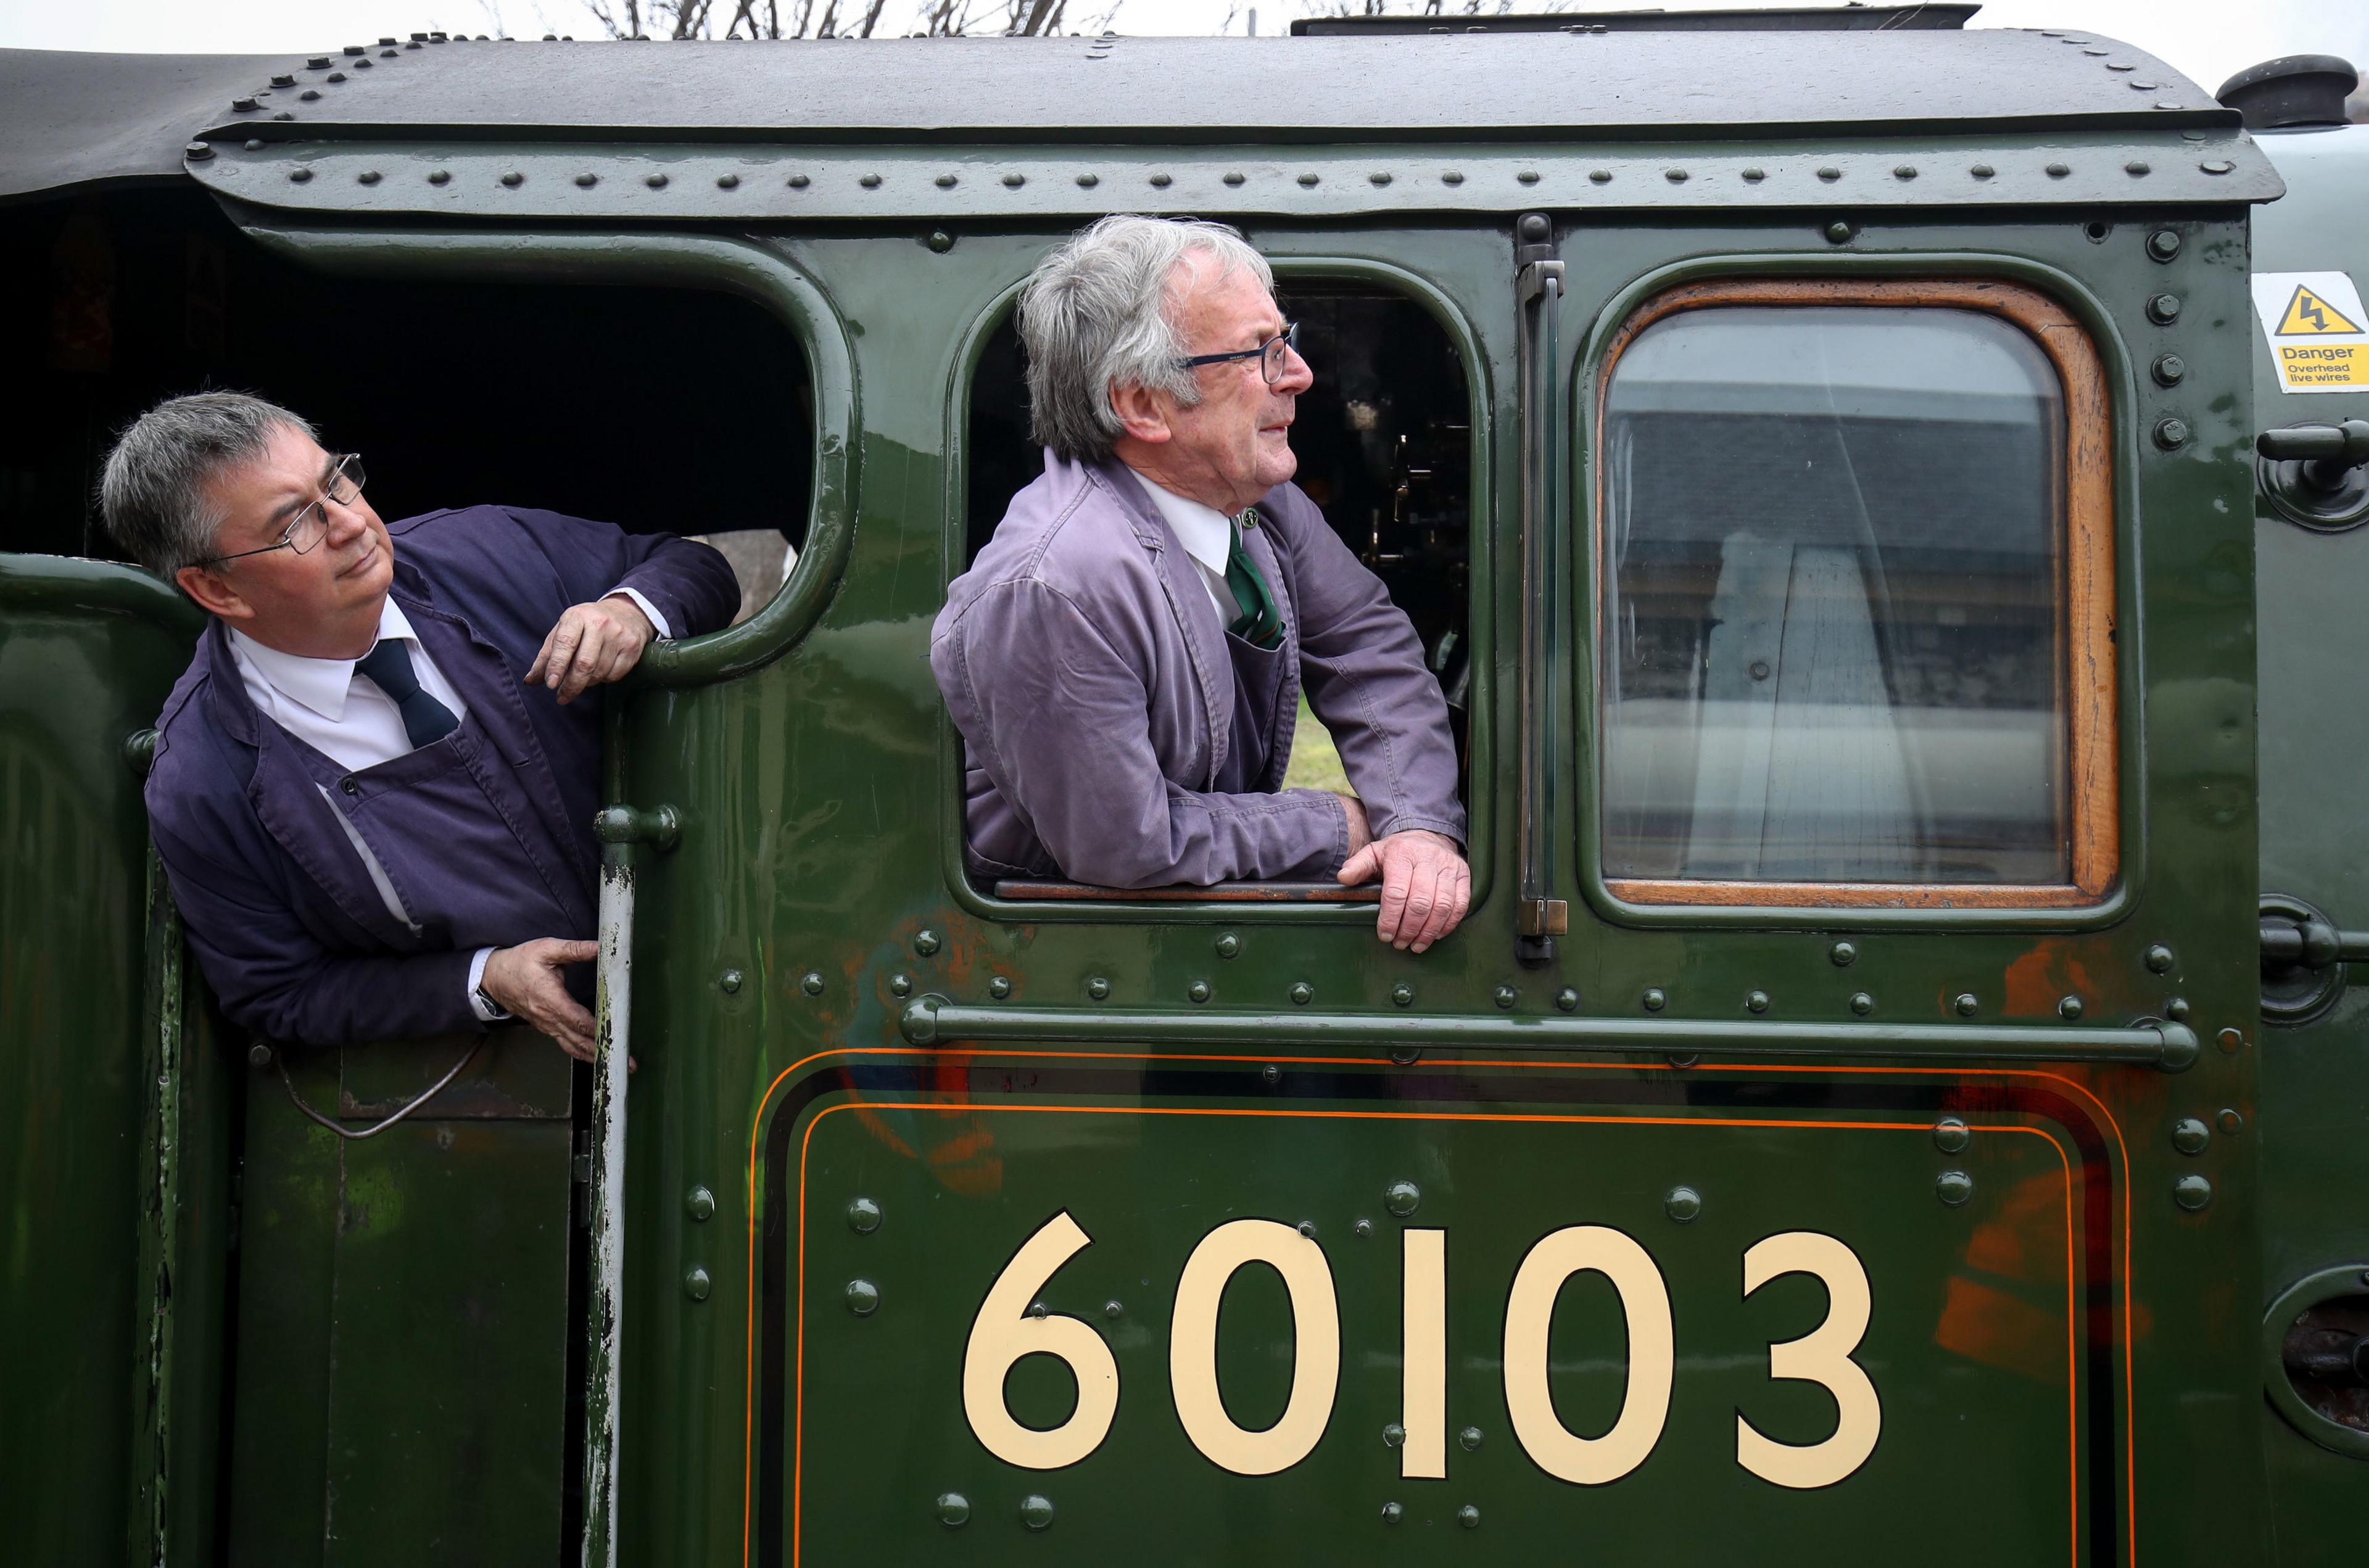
{"points": [[305, 529], [1269, 354]]}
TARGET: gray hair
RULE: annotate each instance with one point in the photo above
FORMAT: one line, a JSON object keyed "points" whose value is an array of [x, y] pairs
{"points": [[153, 489], [1097, 313]]}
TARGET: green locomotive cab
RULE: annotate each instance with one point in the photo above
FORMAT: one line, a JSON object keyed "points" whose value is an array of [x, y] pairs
{"points": [[1820, 464]]}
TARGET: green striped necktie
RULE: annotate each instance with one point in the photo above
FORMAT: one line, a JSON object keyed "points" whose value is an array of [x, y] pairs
{"points": [[1260, 622]]}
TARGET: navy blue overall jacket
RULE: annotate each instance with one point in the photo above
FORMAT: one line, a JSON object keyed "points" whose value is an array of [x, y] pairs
{"points": [[485, 834]]}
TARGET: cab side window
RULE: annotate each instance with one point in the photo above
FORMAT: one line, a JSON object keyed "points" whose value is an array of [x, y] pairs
{"points": [[1856, 590]]}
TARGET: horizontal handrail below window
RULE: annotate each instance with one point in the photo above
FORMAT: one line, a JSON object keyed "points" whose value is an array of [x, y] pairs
{"points": [[1216, 893]]}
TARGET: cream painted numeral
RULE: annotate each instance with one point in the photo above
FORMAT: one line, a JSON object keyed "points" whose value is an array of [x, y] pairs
{"points": [[1193, 1346], [1422, 1355], [1822, 1357], [1653, 1360], [1003, 1332]]}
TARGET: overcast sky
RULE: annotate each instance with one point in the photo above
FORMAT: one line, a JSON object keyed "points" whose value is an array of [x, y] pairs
{"points": [[2206, 40]]}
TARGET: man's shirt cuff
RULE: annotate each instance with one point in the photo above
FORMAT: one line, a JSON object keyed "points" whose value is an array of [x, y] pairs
{"points": [[486, 1011], [657, 622]]}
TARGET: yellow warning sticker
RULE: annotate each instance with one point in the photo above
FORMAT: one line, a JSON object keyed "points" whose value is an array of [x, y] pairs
{"points": [[2313, 322]]}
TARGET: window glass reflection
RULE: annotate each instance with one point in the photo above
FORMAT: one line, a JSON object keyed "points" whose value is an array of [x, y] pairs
{"points": [[1832, 600]]}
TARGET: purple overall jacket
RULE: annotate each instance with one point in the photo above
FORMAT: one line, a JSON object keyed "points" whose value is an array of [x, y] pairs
{"points": [[1101, 700], [487, 834]]}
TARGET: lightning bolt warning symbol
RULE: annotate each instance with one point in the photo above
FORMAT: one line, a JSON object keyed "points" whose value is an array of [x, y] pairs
{"points": [[2309, 315]]}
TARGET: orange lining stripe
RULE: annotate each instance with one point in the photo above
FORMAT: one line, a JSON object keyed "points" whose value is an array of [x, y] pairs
{"points": [[757, 1126]]}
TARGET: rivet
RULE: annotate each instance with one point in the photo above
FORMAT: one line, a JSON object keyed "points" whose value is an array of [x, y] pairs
{"points": [[862, 1298], [1953, 1187], [2231, 1041], [1830, 174], [1755, 176], [2142, 87], [2058, 171], [1966, 1004], [368, 177], [1982, 171], [862, 1215], [1676, 177], [2137, 168], [2163, 309], [1905, 171], [1228, 944], [1601, 176], [799, 182], [2158, 958], [1038, 1310], [586, 179], [1307, 1228], [1098, 988], [2178, 1010], [259, 1055], [699, 1203], [2171, 434], [811, 983], [946, 182], [1451, 176], [1234, 177], [1114, 1311], [925, 943], [1000, 987], [1470, 1438], [1504, 996], [730, 981], [1655, 999], [2069, 1008], [1392, 1513], [284, 81], [1308, 178], [1365, 1226], [1379, 176], [2192, 1193], [1392, 1433], [2216, 165], [1037, 1511], [1527, 177], [900, 985], [1469, 1517], [1198, 990], [1682, 1203], [1842, 954], [1402, 1199], [954, 1509], [1014, 181], [1682, 1060], [310, 95], [1270, 1075], [1402, 994], [353, 49], [2230, 1122], [1950, 1135], [1162, 181], [1406, 1055], [727, 182], [696, 1285], [514, 179], [2169, 369], [1755, 1001], [300, 175], [1861, 1003], [2189, 1136], [1567, 999], [1302, 994], [285, 114], [254, 145], [1089, 180], [869, 181]]}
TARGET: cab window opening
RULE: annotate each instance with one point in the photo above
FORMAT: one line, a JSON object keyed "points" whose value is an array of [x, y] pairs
{"points": [[1855, 599], [1383, 440], [660, 410]]}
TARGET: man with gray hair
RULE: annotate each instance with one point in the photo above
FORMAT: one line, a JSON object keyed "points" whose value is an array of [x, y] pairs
{"points": [[1125, 658], [372, 827]]}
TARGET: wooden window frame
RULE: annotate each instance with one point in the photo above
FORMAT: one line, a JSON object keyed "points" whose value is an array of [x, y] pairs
{"points": [[2086, 587]]}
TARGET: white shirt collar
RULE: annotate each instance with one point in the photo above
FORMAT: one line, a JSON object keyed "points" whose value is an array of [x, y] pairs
{"points": [[1207, 533], [320, 685]]}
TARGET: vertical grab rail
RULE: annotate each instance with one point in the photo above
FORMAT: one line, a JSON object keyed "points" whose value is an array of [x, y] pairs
{"points": [[618, 828], [1540, 918]]}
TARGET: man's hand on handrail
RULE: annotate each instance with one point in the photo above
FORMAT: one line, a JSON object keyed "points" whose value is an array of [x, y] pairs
{"points": [[1426, 886]]}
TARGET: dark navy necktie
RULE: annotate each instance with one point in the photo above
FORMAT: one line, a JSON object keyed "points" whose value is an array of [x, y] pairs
{"points": [[389, 666]]}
